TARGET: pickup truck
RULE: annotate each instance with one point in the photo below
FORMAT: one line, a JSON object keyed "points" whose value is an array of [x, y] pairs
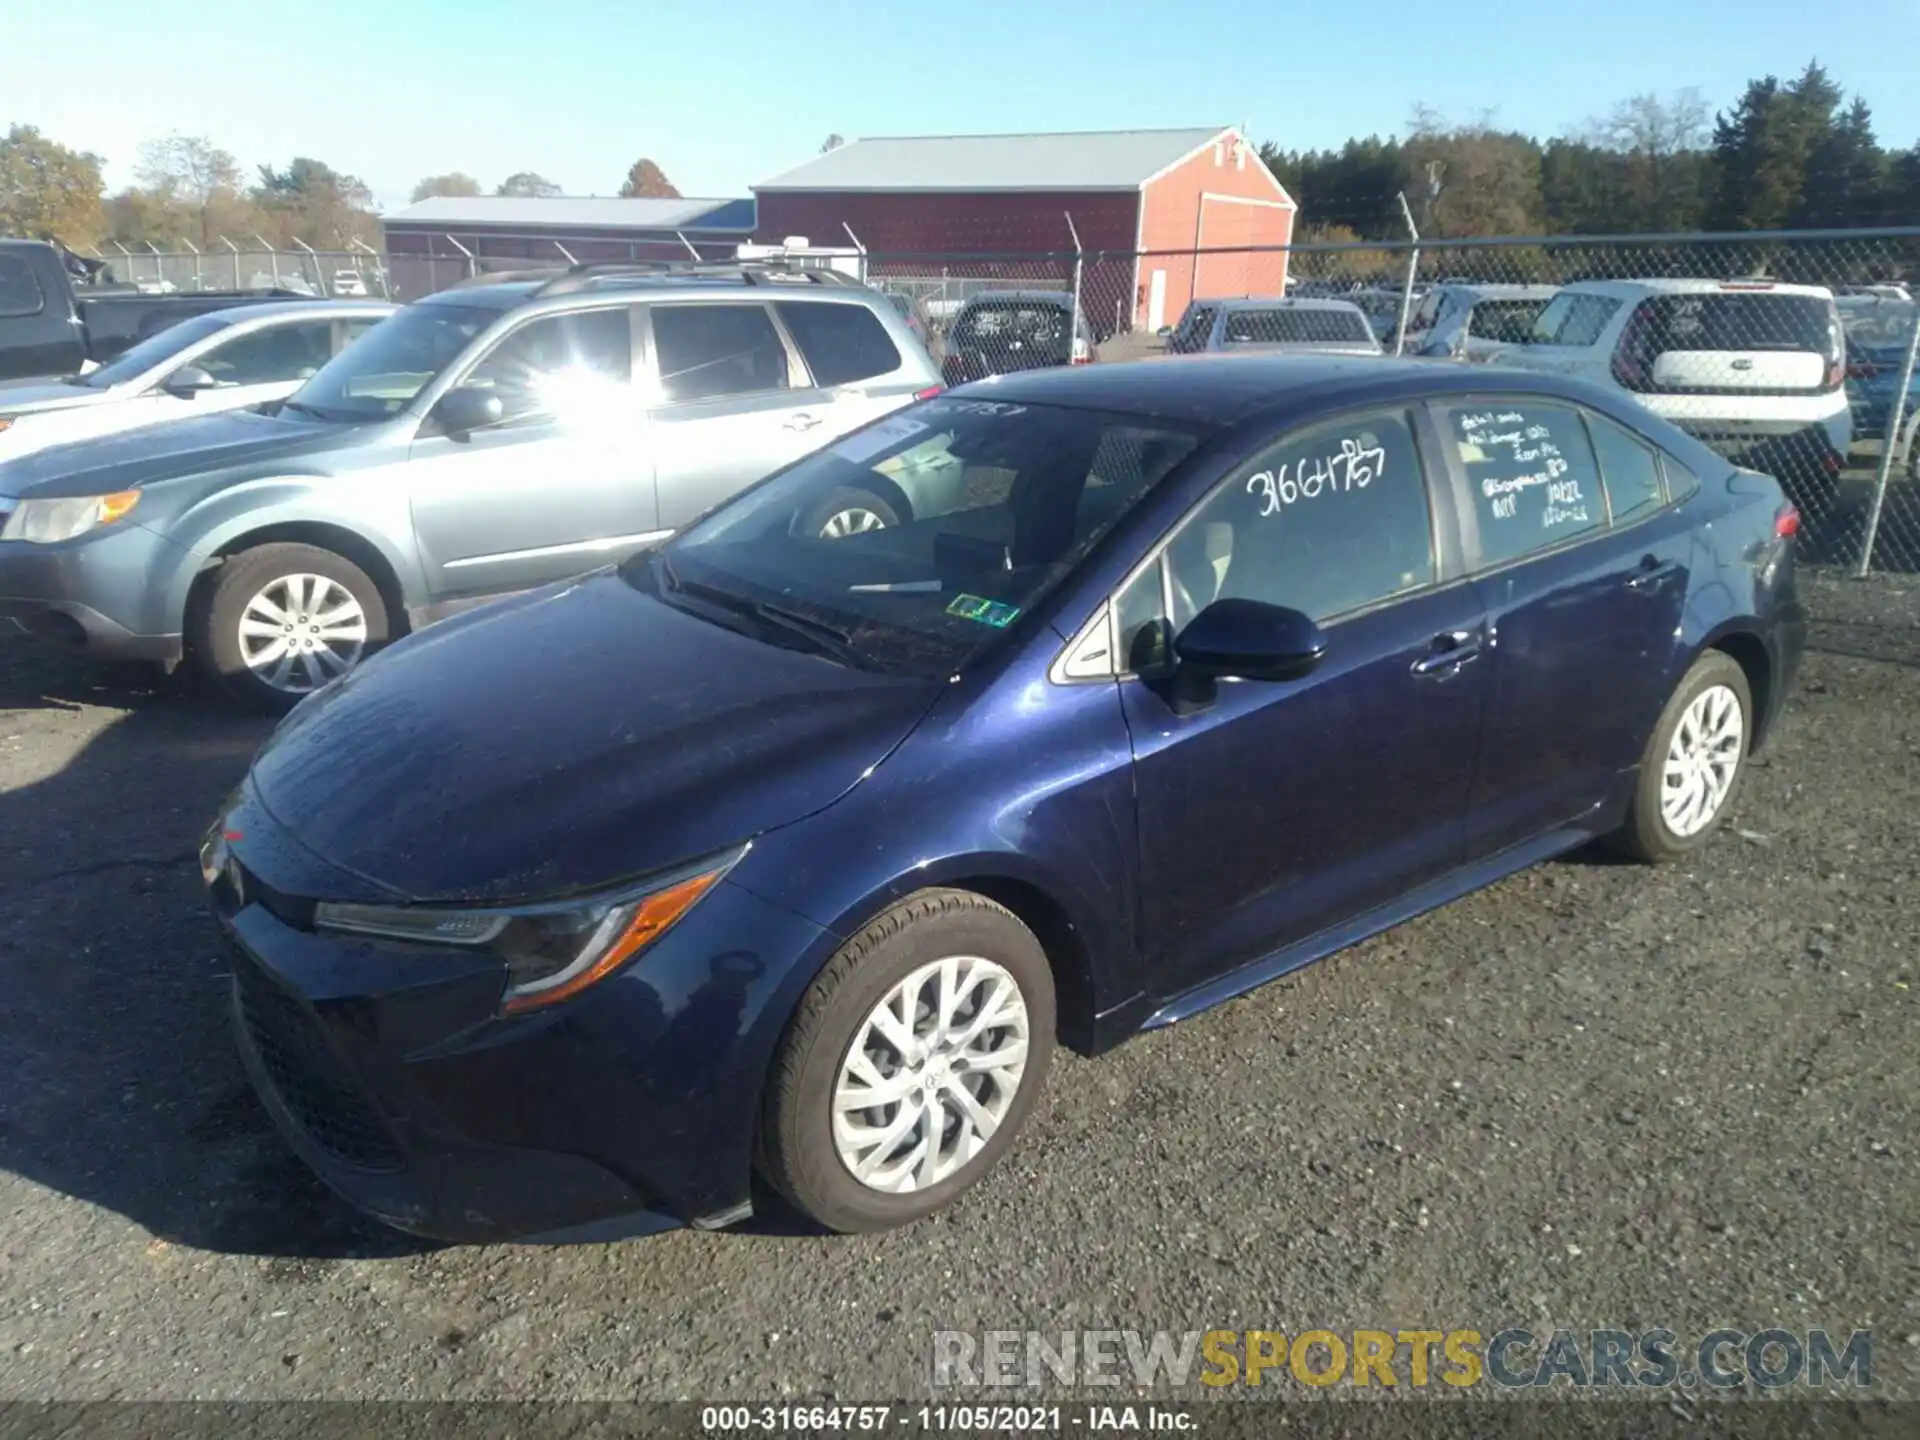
{"points": [[51, 325]]}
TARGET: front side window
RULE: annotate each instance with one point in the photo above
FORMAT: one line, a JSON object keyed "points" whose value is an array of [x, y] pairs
{"points": [[1572, 318], [1331, 520], [1532, 472], [706, 352], [997, 502], [1629, 469], [19, 288], [273, 355], [156, 349], [841, 343], [383, 373], [558, 365]]}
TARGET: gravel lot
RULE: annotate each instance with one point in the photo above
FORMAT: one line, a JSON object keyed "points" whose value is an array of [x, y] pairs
{"points": [[1593, 1095]]}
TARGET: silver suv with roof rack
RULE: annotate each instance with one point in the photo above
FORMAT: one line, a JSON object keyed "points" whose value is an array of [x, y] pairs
{"points": [[513, 431]]}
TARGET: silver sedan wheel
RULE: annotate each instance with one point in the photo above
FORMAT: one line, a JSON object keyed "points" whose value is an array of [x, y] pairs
{"points": [[301, 631], [854, 520], [930, 1075], [1702, 759]]}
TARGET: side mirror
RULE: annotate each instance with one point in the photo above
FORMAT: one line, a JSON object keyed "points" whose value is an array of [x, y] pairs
{"points": [[188, 381], [1165, 332], [1250, 640], [467, 408]]}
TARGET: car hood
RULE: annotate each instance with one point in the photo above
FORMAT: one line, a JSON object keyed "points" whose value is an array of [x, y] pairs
{"points": [[568, 740], [233, 441], [44, 395]]}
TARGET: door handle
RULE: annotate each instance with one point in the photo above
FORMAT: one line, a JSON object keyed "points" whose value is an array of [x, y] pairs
{"points": [[1653, 574], [802, 421], [1449, 651]]}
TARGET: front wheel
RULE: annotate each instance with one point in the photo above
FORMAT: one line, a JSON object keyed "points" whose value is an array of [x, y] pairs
{"points": [[282, 620], [910, 1064], [1694, 763]]}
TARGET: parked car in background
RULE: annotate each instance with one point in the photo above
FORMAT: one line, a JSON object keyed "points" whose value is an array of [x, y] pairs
{"points": [[1879, 331], [1755, 368], [1001, 332], [1381, 306], [1314, 326], [482, 440], [1472, 322], [223, 360], [53, 324], [764, 859], [913, 313]]}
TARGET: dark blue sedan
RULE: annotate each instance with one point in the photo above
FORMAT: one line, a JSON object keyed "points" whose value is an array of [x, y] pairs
{"points": [[770, 863]]}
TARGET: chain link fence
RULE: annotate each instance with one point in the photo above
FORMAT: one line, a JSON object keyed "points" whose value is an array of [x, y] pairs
{"points": [[1791, 353], [332, 274]]}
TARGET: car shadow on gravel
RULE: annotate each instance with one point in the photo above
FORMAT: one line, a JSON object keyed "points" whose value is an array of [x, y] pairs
{"points": [[124, 1087]]}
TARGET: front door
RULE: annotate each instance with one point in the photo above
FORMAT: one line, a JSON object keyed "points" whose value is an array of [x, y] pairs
{"points": [[563, 483], [1583, 574], [1273, 810]]}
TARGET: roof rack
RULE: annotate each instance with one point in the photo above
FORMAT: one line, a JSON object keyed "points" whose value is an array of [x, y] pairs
{"points": [[748, 272]]}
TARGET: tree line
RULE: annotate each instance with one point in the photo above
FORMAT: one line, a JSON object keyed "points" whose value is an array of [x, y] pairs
{"points": [[1794, 154], [188, 192]]}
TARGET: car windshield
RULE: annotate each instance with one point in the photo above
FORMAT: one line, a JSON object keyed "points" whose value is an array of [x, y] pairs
{"points": [[1298, 327], [380, 373], [1508, 321], [1878, 324], [156, 349], [989, 506]]}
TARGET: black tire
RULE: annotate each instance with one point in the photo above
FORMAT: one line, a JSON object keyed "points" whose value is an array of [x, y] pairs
{"points": [[797, 1153], [213, 627], [849, 499], [1646, 834]]}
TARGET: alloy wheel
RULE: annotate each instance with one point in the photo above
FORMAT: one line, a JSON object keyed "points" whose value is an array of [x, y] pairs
{"points": [[300, 631], [854, 520], [931, 1074], [1702, 760]]}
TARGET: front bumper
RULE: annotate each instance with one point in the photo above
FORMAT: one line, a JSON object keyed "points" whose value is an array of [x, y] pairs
{"points": [[99, 595], [627, 1110]]}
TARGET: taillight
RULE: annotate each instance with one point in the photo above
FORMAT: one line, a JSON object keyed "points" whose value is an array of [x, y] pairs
{"points": [[1786, 521], [929, 392]]}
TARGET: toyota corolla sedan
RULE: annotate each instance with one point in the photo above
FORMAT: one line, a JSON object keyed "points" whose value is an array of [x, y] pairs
{"points": [[773, 862]]}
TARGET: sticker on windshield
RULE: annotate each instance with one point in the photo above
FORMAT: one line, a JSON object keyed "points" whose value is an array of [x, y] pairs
{"points": [[987, 612], [884, 436]]}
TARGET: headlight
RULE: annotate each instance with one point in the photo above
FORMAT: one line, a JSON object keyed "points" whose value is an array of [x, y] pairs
{"points": [[44, 522], [551, 951]]}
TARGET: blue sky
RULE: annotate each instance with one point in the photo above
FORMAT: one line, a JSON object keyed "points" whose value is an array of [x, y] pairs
{"points": [[723, 95]]}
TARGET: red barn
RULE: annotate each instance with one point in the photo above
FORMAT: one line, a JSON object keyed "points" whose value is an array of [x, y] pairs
{"points": [[1148, 206]]}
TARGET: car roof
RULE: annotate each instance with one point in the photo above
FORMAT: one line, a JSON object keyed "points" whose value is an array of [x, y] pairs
{"points": [[1502, 291], [1630, 289], [1305, 302], [1224, 389], [234, 314]]}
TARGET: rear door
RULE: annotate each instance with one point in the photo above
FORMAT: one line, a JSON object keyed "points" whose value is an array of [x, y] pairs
{"points": [[731, 401], [1582, 569], [563, 483]]}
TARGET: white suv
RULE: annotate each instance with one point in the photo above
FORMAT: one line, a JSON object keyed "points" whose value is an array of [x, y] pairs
{"points": [[1757, 369]]}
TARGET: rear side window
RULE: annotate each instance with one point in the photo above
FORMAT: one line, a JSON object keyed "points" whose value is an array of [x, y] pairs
{"points": [[708, 351], [1506, 321], [1296, 327], [840, 343], [19, 288], [1630, 470], [1573, 319], [1532, 471]]}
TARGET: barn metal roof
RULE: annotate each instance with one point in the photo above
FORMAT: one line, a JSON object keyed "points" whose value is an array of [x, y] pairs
{"points": [[566, 212], [1065, 160]]}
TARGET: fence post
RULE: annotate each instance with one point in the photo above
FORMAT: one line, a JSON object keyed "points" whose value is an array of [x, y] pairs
{"points": [[473, 266], [1073, 335], [1896, 417], [236, 258], [1413, 269], [313, 256], [379, 265]]}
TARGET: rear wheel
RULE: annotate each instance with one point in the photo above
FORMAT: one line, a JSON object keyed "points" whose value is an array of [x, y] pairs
{"points": [[1694, 763], [849, 511], [283, 620], [911, 1063]]}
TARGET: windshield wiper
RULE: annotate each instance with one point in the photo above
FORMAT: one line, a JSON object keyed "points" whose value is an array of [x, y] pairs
{"points": [[814, 635]]}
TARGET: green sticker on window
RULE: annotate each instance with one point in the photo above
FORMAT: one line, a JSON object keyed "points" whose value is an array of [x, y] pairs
{"points": [[987, 612]]}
